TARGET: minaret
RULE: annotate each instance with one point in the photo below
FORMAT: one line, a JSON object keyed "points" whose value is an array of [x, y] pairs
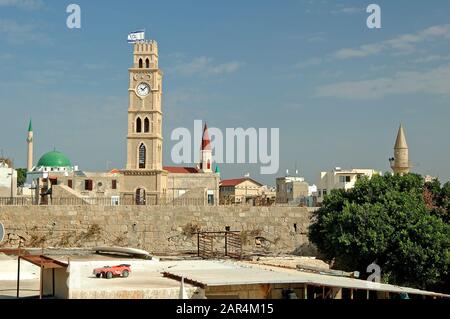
{"points": [[30, 147], [206, 152], [400, 163]]}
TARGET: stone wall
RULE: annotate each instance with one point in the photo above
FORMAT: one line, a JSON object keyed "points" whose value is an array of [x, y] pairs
{"points": [[160, 230]]}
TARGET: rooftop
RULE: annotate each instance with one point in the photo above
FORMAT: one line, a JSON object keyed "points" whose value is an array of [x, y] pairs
{"points": [[181, 169], [237, 181]]}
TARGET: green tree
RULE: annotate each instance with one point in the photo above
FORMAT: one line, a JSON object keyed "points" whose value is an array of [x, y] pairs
{"points": [[21, 176], [384, 220], [437, 199]]}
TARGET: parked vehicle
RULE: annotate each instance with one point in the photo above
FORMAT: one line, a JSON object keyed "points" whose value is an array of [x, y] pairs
{"points": [[109, 272]]}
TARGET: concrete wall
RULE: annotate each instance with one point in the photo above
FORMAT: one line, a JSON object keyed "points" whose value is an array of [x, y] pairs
{"points": [[61, 277], [160, 230]]}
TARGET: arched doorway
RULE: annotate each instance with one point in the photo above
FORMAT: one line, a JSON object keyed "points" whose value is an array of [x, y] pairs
{"points": [[140, 196]]}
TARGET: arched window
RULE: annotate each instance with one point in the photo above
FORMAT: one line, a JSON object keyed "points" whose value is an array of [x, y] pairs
{"points": [[209, 164], [147, 63], [142, 156], [140, 63], [138, 125], [140, 196], [146, 125]]}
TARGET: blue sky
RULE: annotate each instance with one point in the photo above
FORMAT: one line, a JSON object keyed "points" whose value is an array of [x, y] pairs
{"points": [[336, 89]]}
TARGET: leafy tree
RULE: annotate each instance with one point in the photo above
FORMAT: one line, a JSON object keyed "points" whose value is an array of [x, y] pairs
{"points": [[384, 220], [437, 199], [21, 176]]}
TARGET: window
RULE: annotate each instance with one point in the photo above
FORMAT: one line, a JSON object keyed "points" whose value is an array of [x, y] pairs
{"points": [[114, 184], [140, 63], [344, 179], [146, 125], [142, 156], [115, 200], [147, 63], [138, 125], [69, 183], [88, 185], [209, 164], [324, 192], [210, 199], [319, 193], [140, 196]]}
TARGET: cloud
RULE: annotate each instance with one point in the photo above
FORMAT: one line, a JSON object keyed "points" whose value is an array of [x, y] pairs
{"points": [[347, 10], [430, 58], [20, 33], [401, 45], [205, 66], [22, 4], [435, 81], [405, 43]]}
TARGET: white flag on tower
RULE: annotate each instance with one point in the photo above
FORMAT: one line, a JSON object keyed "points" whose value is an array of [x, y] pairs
{"points": [[136, 36]]}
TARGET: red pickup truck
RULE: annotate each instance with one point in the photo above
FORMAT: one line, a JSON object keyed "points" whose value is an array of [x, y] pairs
{"points": [[109, 272]]}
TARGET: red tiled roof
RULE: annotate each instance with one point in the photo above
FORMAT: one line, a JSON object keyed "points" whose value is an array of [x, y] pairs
{"points": [[237, 181], [180, 169]]}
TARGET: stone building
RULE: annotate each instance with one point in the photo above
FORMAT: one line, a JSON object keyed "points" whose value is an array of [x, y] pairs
{"points": [[239, 191], [144, 181], [292, 190]]}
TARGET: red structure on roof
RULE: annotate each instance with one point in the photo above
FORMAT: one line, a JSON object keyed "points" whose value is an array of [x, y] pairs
{"points": [[206, 141]]}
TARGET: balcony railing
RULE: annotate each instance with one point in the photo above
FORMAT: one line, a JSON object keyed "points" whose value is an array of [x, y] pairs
{"points": [[104, 201]]}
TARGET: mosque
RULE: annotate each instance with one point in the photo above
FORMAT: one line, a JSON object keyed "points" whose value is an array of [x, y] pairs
{"points": [[144, 181]]}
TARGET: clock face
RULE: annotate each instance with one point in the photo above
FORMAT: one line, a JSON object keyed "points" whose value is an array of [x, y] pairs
{"points": [[143, 89]]}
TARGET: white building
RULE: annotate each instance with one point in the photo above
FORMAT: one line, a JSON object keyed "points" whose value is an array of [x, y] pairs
{"points": [[8, 180], [339, 178]]}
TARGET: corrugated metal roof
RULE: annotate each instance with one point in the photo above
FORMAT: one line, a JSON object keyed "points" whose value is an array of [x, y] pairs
{"points": [[228, 273]]}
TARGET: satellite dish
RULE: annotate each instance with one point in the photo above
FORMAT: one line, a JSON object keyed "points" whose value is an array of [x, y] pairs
{"points": [[2, 232]]}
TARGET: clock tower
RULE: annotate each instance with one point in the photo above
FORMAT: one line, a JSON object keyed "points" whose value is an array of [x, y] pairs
{"points": [[144, 139], [144, 172]]}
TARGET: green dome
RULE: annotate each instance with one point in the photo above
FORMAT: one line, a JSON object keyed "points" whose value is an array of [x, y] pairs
{"points": [[54, 159]]}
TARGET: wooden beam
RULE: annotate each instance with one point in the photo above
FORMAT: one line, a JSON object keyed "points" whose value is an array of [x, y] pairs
{"points": [[18, 277]]}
